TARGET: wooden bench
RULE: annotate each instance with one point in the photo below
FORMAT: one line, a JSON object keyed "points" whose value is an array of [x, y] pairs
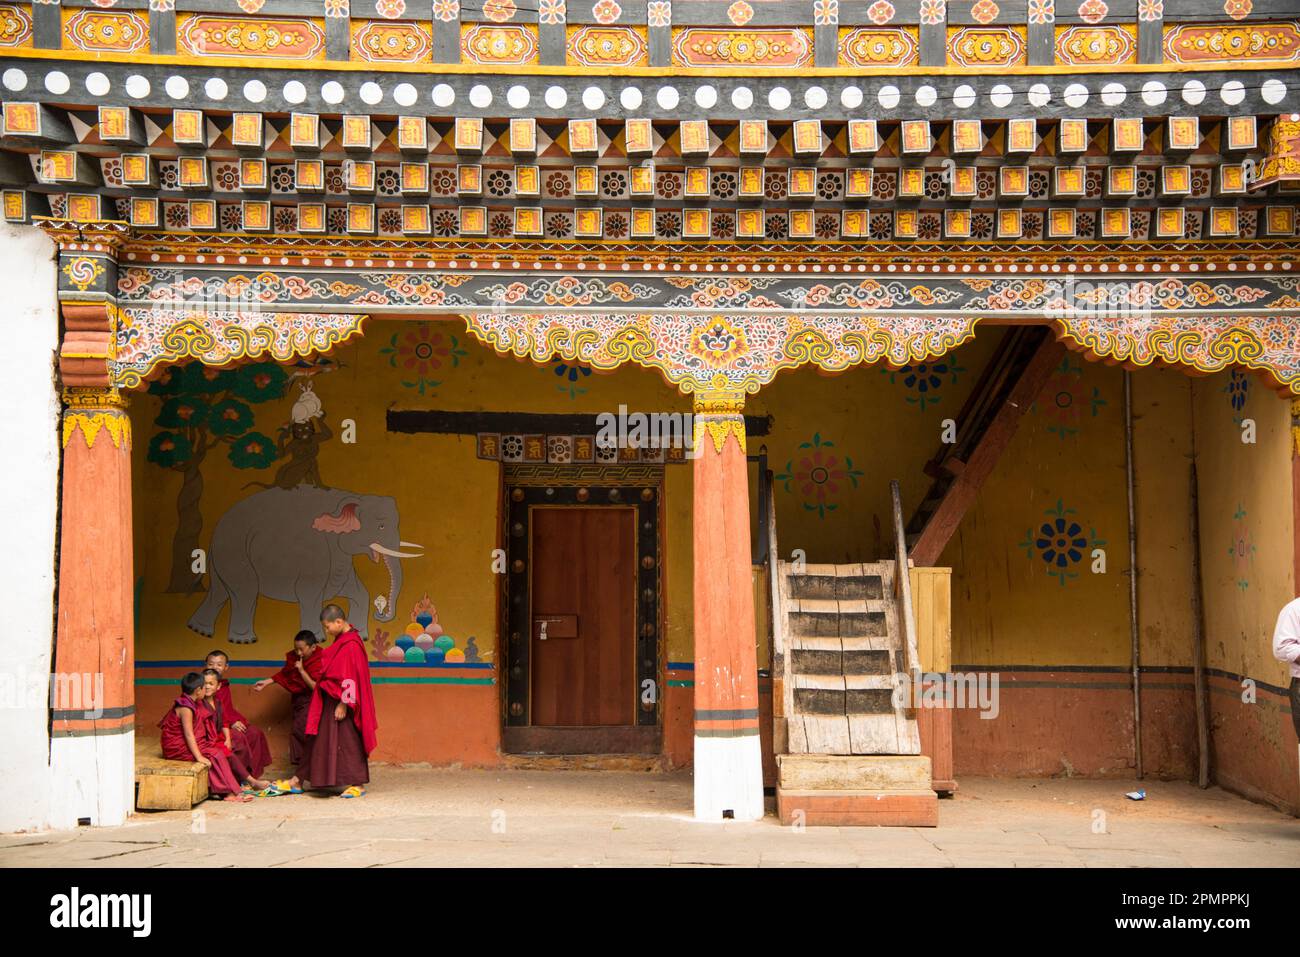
{"points": [[163, 785]]}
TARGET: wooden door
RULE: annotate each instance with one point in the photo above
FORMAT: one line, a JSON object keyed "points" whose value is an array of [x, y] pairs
{"points": [[584, 580]]}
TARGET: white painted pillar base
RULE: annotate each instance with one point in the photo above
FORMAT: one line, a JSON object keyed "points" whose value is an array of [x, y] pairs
{"points": [[728, 777], [94, 777]]}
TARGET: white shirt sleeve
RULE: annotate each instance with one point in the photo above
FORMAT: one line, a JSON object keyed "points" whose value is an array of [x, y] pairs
{"points": [[1286, 638]]}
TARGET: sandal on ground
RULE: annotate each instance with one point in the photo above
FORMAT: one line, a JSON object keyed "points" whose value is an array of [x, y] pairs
{"points": [[272, 791], [284, 787], [240, 798], [353, 792]]}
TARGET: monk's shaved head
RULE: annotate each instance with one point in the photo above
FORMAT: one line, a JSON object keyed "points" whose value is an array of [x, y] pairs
{"points": [[331, 613]]}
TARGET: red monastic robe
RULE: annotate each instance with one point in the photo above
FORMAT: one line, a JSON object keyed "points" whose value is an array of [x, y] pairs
{"points": [[250, 744], [345, 676], [221, 777], [291, 681]]}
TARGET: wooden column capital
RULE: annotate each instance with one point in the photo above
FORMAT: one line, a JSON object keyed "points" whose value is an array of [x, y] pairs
{"points": [[719, 414], [92, 411]]}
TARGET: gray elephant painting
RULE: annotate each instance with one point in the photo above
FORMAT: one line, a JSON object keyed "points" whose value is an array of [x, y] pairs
{"points": [[298, 545]]}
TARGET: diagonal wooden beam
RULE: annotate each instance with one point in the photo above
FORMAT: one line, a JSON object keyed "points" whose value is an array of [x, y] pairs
{"points": [[989, 447]]}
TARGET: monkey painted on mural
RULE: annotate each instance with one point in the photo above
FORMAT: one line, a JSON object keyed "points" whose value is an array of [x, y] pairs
{"points": [[299, 440]]}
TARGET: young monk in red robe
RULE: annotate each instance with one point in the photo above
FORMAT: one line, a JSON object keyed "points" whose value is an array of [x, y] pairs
{"points": [[341, 721], [247, 740], [185, 737], [210, 711], [301, 671]]}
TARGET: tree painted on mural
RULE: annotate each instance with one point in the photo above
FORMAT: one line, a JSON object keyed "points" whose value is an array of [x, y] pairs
{"points": [[819, 476], [204, 409]]}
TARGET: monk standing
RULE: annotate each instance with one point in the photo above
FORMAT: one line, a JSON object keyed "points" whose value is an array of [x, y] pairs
{"points": [[341, 720], [301, 671]]}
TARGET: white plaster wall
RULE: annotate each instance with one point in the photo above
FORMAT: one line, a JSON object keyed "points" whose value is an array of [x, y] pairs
{"points": [[29, 441]]}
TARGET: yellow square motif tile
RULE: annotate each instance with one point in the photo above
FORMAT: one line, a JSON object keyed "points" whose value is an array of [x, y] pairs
{"points": [[964, 183], [357, 132], [1232, 178], [469, 135], [415, 177], [309, 175], [967, 136], [246, 130], [473, 221], [1013, 181], [256, 214], [1127, 135], [750, 223], [582, 136], [144, 212], [864, 137], [1010, 224], [956, 223], [84, 207], [588, 223], [415, 219], [906, 223], [753, 136], [808, 137], [802, 183], [1176, 180], [1184, 133], [638, 136], [1242, 133], [1116, 223], [1279, 221], [523, 135], [643, 223], [696, 224], [469, 179], [751, 182], [916, 136], [57, 166], [694, 136], [359, 175], [22, 118], [1121, 181], [854, 223], [252, 174], [187, 128], [1069, 180], [114, 123], [413, 133], [911, 182], [528, 221], [1223, 221], [699, 183], [137, 169], [1072, 135], [311, 217], [586, 181], [1060, 223], [361, 217], [802, 223], [1022, 135], [528, 181], [857, 183], [641, 181], [203, 214], [304, 131], [1170, 222], [193, 172]]}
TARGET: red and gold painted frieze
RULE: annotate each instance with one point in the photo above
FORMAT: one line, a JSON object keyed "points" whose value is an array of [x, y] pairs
{"points": [[613, 46], [868, 47], [986, 47], [106, 31], [15, 25], [765, 47], [1096, 45], [496, 45], [201, 35], [386, 41], [1228, 43]]}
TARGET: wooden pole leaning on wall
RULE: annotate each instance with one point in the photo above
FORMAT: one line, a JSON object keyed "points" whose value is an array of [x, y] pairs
{"points": [[912, 662], [1198, 639], [1133, 573]]}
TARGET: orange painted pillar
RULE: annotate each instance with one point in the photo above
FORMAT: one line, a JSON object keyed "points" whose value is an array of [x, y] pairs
{"points": [[92, 747], [728, 757], [1295, 487]]}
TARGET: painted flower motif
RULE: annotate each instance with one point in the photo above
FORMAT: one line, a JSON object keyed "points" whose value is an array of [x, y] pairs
{"points": [[182, 412], [1149, 10], [253, 451], [1063, 399], [1042, 11], [984, 11], [740, 13], [421, 352], [104, 3], [719, 343], [924, 380], [551, 11], [251, 6], [498, 11], [819, 476], [336, 8], [162, 6], [1242, 550], [445, 11], [933, 11], [1238, 9], [390, 9], [1238, 391], [1093, 11], [230, 417], [606, 12], [259, 382], [826, 13], [570, 374], [659, 13], [880, 12], [1060, 542]]}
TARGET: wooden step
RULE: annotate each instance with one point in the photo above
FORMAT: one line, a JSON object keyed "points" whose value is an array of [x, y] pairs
{"points": [[835, 587], [840, 625], [804, 661], [837, 772], [843, 701]]}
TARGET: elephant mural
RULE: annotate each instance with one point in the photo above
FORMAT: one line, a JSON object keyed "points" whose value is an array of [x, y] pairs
{"points": [[297, 545]]}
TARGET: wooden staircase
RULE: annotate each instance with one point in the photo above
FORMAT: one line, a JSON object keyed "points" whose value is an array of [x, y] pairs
{"points": [[848, 748]]}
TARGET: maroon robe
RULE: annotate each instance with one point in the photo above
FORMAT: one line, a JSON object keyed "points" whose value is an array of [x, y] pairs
{"points": [[337, 750], [221, 777], [215, 731], [250, 744], [291, 681]]}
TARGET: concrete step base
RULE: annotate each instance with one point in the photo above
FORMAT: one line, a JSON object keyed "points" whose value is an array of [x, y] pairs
{"points": [[853, 772], [826, 808]]}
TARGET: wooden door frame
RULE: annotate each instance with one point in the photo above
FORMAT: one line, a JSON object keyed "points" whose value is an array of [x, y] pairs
{"points": [[520, 496]]}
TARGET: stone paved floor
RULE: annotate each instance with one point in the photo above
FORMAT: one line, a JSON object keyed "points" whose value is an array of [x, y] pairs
{"points": [[521, 818]]}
